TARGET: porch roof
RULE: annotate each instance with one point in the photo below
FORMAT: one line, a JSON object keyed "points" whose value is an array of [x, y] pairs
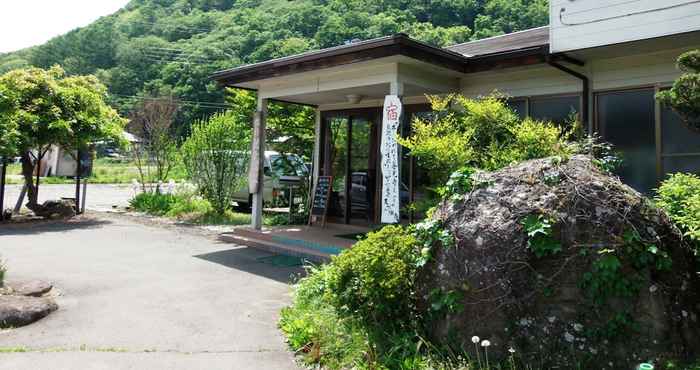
{"points": [[516, 49]]}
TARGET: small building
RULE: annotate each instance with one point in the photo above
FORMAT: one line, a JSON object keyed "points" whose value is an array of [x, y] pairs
{"points": [[602, 60]]}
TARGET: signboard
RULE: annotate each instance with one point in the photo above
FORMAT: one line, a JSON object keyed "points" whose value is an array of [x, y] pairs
{"points": [[321, 198], [391, 201]]}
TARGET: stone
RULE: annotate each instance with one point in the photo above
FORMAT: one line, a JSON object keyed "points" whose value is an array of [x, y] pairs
{"points": [[508, 295], [30, 288], [56, 209], [16, 311]]}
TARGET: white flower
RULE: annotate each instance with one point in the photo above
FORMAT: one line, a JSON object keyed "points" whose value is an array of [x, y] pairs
{"points": [[578, 327], [569, 338], [475, 339], [485, 343], [511, 350], [653, 288]]}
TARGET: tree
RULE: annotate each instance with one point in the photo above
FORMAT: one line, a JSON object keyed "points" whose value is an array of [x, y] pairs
{"points": [[216, 156], [684, 96], [156, 154], [49, 108]]}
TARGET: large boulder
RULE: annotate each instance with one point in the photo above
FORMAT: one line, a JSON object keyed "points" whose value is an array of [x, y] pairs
{"points": [[566, 265]]}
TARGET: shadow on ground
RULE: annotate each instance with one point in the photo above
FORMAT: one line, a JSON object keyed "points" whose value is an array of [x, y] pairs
{"points": [[34, 227], [251, 260]]}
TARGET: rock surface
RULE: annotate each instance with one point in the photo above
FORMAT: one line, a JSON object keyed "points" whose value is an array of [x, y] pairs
{"points": [[16, 311], [29, 288], [601, 297], [56, 209]]}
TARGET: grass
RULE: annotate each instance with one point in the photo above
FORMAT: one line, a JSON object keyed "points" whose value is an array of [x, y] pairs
{"points": [[197, 211], [105, 171]]}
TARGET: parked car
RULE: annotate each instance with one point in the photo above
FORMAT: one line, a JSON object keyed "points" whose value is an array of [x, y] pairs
{"points": [[279, 171]]}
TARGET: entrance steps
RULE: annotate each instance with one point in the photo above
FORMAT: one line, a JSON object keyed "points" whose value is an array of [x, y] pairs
{"points": [[313, 243]]}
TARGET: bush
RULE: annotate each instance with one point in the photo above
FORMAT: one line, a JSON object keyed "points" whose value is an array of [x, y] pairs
{"points": [[153, 203], [373, 281], [483, 133], [679, 196], [216, 156]]}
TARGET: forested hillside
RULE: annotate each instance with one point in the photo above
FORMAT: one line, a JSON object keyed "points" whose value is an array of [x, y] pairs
{"points": [[154, 47]]}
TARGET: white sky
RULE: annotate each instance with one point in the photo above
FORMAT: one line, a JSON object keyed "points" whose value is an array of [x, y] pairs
{"points": [[25, 23]]}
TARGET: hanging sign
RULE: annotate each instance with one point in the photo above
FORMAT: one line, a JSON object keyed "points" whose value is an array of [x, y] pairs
{"points": [[390, 159]]}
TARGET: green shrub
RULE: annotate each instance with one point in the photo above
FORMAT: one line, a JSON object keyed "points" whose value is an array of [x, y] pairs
{"points": [[373, 281], [483, 133], [153, 203], [679, 196], [3, 270], [216, 156]]}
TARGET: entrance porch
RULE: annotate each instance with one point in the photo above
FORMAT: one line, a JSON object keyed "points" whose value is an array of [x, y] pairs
{"points": [[365, 94]]}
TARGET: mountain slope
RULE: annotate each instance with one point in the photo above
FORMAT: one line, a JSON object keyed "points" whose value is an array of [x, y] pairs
{"points": [[171, 46]]}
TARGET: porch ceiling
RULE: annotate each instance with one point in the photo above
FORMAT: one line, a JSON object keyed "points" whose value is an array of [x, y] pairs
{"points": [[370, 80]]}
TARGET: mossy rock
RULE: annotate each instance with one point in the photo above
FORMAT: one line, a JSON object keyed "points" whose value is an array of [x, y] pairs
{"points": [[616, 284]]}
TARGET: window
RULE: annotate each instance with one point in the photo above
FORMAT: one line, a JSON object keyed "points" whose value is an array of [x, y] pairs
{"points": [[680, 145], [557, 109], [627, 120], [519, 106]]}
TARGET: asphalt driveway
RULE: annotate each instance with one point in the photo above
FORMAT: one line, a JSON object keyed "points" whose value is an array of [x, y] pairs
{"points": [[135, 296]]}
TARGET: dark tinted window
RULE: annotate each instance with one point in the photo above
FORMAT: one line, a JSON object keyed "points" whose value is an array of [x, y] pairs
{"points": [[519, 106], [626, 119], [676, 137], [557, 109]]}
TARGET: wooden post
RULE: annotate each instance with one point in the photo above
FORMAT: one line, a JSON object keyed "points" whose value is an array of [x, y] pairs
{"points": [[257, 163], [3, 163], [77, 184]]}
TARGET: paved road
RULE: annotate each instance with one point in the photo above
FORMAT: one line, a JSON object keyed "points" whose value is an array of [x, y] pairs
{"points": [[145, 297], [99, 197]]}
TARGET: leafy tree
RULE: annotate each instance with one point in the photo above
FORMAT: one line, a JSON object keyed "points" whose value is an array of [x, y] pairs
{"points": [[156, 47], [49, 108], [290, 127], [216, 156], [684, 96]]}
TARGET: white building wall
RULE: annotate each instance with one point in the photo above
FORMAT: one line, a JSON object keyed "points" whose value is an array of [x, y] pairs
{"points": [[580, 24], [649, 69]]}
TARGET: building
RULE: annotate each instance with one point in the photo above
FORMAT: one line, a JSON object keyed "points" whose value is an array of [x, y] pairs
{"points": [[603, 60]]}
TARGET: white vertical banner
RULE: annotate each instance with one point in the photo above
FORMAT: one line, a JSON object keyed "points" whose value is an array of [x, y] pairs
{"points": [[391, 201]]}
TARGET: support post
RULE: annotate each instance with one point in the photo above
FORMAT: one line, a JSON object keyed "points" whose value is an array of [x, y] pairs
{"points": [[390, 151], [3, 174], [257, 161], [77, 184]]}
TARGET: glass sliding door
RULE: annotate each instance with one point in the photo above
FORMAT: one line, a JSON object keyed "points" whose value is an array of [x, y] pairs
{"points": [[336, 153], [363, 169], [350, 156], [627, 120]]}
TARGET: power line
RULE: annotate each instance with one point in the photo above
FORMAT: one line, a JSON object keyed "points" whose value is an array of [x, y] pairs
{"points": [[183, 102]]}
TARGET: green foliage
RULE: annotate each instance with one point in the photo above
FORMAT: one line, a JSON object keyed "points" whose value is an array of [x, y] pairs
{"points": [[483, 133], [216, 156], [539, 233], [445, 302], [3, 271], [373, 281], [679, 196], [430, 233], [684, 96], [186, 207], [161, 47], [153, 203], [50, 108]]}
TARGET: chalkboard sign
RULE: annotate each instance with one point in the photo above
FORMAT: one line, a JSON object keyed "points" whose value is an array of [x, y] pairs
{"points": [[322, 195]]}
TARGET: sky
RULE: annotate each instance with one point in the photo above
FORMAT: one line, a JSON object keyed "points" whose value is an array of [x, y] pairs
{"points": [[25, 23]]}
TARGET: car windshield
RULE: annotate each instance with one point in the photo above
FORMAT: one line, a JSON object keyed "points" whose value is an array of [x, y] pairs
{"points": [[290, 165]]}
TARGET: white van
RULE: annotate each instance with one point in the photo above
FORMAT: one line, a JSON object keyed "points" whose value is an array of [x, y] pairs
{"points": [[279, 170]]}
